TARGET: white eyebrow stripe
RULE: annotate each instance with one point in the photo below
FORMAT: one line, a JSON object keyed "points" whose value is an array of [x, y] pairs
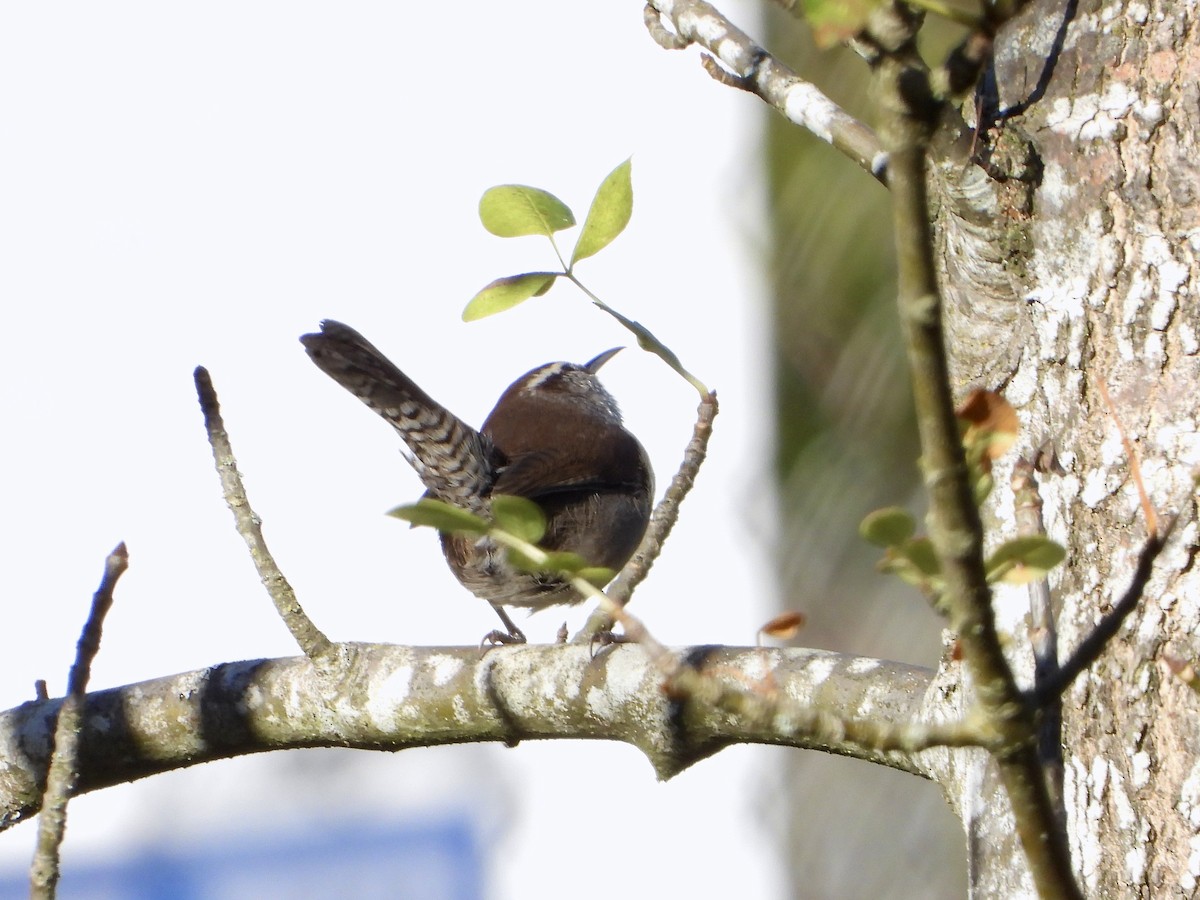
{"points": [[544, 374]]}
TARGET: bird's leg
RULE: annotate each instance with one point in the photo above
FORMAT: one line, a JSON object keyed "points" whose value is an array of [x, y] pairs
{"points": [[602, 640], [513, 635]]}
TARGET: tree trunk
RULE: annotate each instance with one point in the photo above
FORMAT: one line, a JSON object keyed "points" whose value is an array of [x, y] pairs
{"points": [[1069, 259]]}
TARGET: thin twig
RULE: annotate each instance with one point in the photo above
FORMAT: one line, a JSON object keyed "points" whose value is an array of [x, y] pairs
{"points": [[659, 32], [662, 520], [1093, 645], [63, 774], [910, 110], [721, 75], [311, 640], [760, 701]]}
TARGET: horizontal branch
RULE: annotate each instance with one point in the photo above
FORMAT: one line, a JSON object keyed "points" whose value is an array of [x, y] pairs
{"points": [[385, 697]]}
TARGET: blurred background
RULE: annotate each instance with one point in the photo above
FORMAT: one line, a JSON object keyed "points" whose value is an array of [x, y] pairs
{"points": [[201, 185], [845, 444]]}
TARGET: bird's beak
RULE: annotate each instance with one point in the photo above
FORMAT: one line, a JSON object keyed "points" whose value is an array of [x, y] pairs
{"points": [[593, 366]]}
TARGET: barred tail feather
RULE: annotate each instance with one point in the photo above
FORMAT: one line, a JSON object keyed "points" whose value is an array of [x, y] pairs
{"points": [[452, 459]]}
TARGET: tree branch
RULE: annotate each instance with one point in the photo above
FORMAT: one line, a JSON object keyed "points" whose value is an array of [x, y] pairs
{"points": [[310, 639], [1093, 645], [910, 111], [391, 698], [662, 520], [64, 769], [758, 72]]}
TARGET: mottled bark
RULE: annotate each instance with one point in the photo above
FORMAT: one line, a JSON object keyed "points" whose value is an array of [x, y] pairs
{"points": [[384, 697], [1070, 260]]}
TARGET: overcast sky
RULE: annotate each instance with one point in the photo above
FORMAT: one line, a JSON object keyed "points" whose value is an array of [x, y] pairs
{"points": [[184, 185]]}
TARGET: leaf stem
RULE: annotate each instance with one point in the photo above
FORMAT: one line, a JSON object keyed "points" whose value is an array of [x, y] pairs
{"points": [[562, 262], [645, 338]]}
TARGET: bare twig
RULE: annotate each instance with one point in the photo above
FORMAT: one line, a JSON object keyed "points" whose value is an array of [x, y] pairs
{"points": [[311, 640], [63, 774], [721, 75], [909, 110], [751, 68], [662, 35], [1048, 691], [662, 520], [1093, 645]]}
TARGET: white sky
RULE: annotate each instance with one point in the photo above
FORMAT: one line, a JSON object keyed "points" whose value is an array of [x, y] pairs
{"points": [[184, 185]]}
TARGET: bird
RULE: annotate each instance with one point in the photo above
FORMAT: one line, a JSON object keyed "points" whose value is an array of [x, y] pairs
{"points": [[555, 437]]}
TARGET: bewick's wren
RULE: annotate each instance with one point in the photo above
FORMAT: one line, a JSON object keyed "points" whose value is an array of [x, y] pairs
{"points": [[554, 437]]}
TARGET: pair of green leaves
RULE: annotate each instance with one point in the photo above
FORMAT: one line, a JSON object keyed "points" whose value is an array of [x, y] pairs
{"points": [[913, 559], [517, 210], [517, 523]]}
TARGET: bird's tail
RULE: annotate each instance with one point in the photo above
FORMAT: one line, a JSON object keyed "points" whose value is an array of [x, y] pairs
{"points": [[452, 458]]}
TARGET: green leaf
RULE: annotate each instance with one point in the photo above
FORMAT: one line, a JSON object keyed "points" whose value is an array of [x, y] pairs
{"points": [[610, 212], [520, 561], [564, 561], [505, 293], [440, 515], [915, 562], [887, 527], [648, 342], [902, 569], [520, 517], [596, 576], [1024, 559], [515, 210], [981, 486], [921, 554], [909, 573]]}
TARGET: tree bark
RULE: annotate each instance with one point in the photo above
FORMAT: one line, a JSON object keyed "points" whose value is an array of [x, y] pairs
{"points": [[386, 697], [1069, 260]]}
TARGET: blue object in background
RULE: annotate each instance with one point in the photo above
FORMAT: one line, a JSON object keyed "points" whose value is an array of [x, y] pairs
{"points": [[429, 860]]}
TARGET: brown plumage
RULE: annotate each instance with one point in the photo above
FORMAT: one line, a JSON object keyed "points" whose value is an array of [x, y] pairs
{"points": [[554, 437]]}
